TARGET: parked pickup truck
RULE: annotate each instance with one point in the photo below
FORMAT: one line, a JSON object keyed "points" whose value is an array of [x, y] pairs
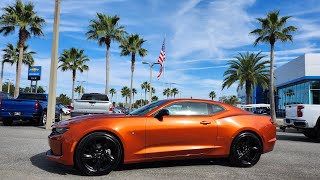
{"points": [[27, 107], [305, 117], [92, 103]]}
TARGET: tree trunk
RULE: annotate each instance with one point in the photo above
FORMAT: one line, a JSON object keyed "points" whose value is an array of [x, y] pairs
{"points": [[107, 69], [18, 73], [271, 85], [1, 79], [131, 84], [73, 80], [248, 92]]}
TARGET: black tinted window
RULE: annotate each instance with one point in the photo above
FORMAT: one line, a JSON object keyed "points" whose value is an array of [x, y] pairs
{"points": [[213, 108], [98, 97], [41, 97], [187, 109]]}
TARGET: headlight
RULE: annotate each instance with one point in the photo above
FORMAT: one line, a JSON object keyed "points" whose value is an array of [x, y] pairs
{"points": [[61, 130]]}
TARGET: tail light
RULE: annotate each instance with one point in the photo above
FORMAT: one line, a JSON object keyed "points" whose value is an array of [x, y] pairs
{"points": [[0, 102], [299, 111], [36, 106], [111, 108], [71, 107]]}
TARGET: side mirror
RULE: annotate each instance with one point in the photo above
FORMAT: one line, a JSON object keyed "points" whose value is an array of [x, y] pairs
{"points": [[161, 113]]}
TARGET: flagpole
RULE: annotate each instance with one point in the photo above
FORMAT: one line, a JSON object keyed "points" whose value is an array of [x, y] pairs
{"points": [[164, 73]]}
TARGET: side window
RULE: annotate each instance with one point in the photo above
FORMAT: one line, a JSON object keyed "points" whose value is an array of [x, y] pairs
{"points": [[213, 108], [188, 109]]}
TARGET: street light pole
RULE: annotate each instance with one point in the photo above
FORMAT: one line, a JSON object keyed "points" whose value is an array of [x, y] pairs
{"points": [[53, 68], [150, 86]]}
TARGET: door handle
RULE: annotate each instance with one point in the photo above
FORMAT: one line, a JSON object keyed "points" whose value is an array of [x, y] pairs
{"points": [[205, 122]]}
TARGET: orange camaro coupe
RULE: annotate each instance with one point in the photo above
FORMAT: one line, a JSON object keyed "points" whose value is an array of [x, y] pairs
{"points": [[162, 130]]}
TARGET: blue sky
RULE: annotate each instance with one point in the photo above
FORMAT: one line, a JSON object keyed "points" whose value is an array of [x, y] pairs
{"points": [[201, 36]]}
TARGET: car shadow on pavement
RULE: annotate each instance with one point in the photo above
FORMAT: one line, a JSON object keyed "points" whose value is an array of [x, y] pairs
{"points": [[175, 163], [296, 138], [42, 162], [24, 124]]}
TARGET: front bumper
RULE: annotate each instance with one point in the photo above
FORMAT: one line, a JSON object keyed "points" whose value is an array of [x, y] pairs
{"points": [[60, 149]]}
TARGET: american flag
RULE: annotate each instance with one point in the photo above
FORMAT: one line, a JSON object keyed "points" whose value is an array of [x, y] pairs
{"points": [[161, 58]]}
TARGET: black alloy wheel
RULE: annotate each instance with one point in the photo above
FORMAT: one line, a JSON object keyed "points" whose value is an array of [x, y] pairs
{"points": [[98, 154], [245, 150]]}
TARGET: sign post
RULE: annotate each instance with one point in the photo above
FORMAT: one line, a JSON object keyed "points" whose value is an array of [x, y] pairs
{"points": [[34, 74]]}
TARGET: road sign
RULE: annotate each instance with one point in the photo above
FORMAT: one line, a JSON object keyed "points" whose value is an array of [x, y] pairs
{"points": [[34, 73]]}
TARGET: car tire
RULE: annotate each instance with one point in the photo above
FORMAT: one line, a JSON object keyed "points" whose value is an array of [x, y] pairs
{"points": [[43, 119], [98, 154], [310, 134], [246, 150], [7, 122]]}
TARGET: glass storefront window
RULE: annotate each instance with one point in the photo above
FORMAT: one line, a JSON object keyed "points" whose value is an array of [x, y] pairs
{"points": [[315, 85]]}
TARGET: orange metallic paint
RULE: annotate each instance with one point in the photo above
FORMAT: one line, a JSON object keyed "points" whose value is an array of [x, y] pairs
{"points": [[145, 138]]}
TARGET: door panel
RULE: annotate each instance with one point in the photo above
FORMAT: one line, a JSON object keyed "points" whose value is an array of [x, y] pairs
{"points": [[179, 136]]}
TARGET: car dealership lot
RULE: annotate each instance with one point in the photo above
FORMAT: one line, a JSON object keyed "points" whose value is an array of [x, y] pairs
{"points": [[23, 147]]}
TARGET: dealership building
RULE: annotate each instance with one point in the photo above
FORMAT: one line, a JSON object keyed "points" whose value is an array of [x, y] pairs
{"points": [[297, 82]]}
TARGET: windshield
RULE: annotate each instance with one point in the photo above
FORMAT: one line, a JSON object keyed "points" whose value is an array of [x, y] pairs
{"points": [[97, 97], [147, 108]]}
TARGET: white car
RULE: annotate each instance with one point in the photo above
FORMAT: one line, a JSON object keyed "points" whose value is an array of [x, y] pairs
{"points": [[65, 110], [92, 103], [305, 117]]}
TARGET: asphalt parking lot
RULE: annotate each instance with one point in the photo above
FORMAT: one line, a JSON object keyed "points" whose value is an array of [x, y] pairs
{"points": [[23, 147]]}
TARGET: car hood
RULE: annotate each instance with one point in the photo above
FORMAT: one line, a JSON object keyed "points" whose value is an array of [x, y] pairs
{"points": [[79, 119]]}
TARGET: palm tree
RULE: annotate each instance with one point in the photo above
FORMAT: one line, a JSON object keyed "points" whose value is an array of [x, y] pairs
{"points": [[153, 90], [112, 92], [248, 70], [11, 55], [232, 100], [212, 95], [8, 57], [73, 59], [132, 45], [106, 29], [24, 17], [134, 91], [174, 92], [125, 92], [145, 86], [273, 28], [79, 89], [154, 98], [167, 92]]}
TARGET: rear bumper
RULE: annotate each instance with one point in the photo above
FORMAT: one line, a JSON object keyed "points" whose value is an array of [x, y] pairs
{"points": [[296, 123], [269, 138], [23, 115]]}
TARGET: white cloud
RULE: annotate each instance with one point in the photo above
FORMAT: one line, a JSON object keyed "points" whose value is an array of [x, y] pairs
{"points": [[211, 30], [307, 28]]}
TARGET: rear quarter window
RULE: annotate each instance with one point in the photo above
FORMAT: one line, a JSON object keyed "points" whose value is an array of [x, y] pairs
{"points": [[214, 109]]}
